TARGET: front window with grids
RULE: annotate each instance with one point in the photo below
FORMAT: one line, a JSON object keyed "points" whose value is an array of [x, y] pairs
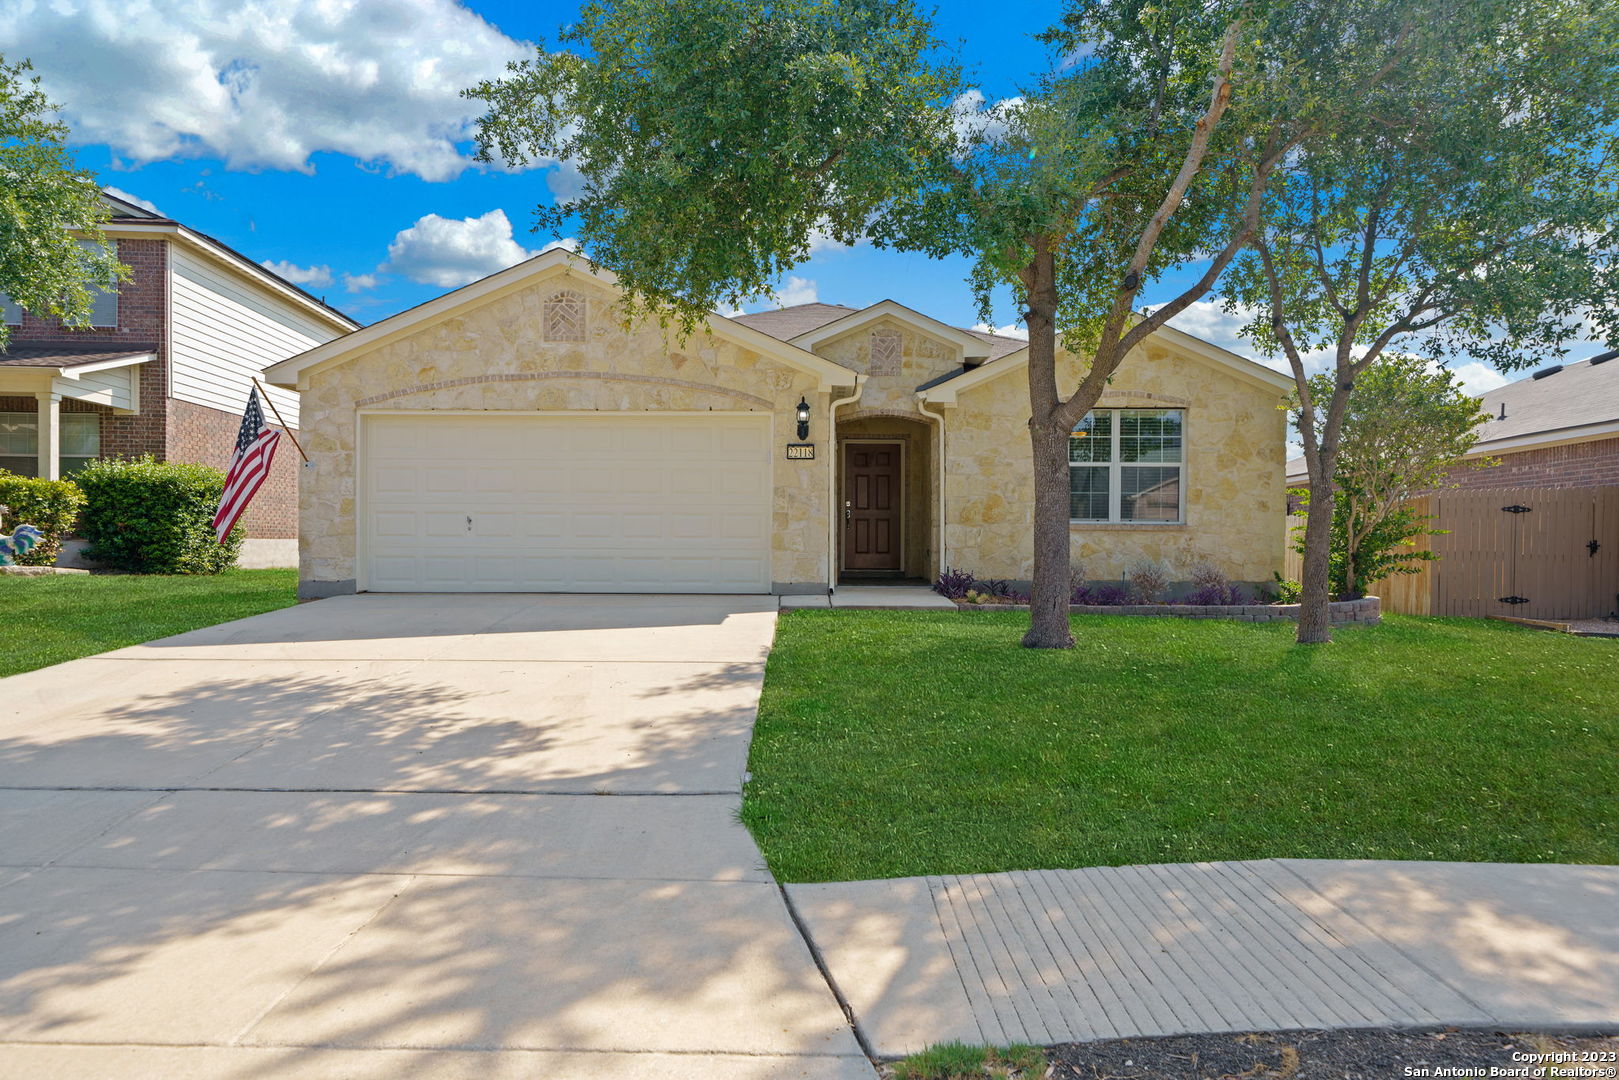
{"points": [[19, 442], [1127, 465]]}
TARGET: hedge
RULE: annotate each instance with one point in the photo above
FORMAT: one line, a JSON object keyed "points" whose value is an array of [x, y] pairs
{"points": [[155, 517], [51, 506]]}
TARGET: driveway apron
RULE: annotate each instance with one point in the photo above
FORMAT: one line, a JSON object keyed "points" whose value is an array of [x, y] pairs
{"points": [[389, 835]]}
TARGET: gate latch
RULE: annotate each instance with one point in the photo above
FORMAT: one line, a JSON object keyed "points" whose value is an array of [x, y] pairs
{"points": [[1593, 546], [1517, 508], [1513, 599]]}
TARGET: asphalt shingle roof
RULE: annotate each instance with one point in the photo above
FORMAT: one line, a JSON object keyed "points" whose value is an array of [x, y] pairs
{"points": [[784, 324], [1580, 394], [60, 356]]}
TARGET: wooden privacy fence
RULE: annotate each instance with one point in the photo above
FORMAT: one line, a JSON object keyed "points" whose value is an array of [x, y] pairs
{"points": [[1530, 553]]}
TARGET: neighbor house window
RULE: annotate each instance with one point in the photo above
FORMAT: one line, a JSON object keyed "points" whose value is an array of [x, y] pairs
{"points": [[1127, 465], [103, 302], [19, 442], [10, 311]]}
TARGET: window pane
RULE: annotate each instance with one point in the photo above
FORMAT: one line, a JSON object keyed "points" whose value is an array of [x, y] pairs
{"points": [[1150, 435], [1148, 493], [81, 435], [103, 302], [22, 466], [71, 465], [1093, 437], [10, 312], [19, 433], [1087, 492]]}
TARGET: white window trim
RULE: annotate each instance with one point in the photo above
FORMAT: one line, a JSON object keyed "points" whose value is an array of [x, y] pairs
{"points": [[1115, 468]]}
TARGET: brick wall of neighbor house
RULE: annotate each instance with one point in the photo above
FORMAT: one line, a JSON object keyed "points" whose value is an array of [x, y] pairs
{"points": [[198, 433], [1575, 465], [142, 321]]}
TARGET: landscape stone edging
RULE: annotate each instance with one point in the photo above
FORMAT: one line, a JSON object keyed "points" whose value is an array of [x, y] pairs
{"points": [[1365, 611]]}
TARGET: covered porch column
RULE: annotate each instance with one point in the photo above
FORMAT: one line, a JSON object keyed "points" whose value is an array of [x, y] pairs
{"points": [[50, 435]]}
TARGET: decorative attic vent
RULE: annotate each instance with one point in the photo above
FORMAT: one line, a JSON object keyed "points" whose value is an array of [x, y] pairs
{"points": [[886, 347], [565, 317]]}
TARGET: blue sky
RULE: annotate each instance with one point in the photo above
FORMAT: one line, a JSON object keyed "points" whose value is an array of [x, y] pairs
{"points": [[326, 138]]}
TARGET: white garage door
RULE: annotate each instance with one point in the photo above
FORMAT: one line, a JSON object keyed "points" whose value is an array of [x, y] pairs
{"points": [[611, 502]]}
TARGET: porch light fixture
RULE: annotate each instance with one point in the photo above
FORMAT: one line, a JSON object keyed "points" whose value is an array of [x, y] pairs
{"points": [[803, 418]]}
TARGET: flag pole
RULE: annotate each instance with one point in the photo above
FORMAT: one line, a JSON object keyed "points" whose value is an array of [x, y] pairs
{"points": [[282, 422]]}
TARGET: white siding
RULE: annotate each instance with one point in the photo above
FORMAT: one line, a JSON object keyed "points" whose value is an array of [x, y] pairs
{"points": [[113, 387], [224, 331]]}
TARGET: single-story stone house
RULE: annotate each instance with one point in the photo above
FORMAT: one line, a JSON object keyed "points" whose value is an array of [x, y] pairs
{"points": [[514, 435]]}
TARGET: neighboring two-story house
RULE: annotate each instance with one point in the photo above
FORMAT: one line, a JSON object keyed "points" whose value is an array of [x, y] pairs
{"points": [[165, 368]]}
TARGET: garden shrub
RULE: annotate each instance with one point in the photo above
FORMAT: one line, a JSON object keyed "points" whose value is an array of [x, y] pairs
{"points": [[155, 517], [1149, 578], [1100, 594], [51, 506], [1210, 586], [953, 584]]}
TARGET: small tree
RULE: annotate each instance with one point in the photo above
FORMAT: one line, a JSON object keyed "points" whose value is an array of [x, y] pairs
{"points": [[717, 137], [1468, 208], [46, 208], [1407, 426]]}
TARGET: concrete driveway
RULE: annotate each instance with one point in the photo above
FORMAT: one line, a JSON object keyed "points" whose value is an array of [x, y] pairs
{"points": [[387, 836]]}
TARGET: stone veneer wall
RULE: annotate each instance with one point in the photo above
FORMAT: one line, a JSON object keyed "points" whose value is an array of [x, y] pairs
{"points": [[495, 357], [1235, 492]]}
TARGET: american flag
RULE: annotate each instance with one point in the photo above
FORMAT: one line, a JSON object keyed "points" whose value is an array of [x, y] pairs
{"points": [[249, 466]]}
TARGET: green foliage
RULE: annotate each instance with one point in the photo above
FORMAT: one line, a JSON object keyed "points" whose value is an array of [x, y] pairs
{"points": [[1284, 590], [1382, 549], [51, 506], [155, 517], [1407, 424], [960, 1061], [717, 138], [44, 204]]}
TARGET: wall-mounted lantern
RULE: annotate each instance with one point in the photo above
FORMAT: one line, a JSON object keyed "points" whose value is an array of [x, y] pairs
{"points": [[803, 418]]}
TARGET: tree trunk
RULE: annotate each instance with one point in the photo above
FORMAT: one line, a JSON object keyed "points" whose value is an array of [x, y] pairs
{"points": [[1048, 605], [1315, 618], [1050, 592]]}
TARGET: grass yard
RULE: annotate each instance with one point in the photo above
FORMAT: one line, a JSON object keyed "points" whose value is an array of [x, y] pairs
{"points": [[898, 743], [63, 617]]}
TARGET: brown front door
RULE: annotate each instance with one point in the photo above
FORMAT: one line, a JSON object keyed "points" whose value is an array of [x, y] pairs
{"points": [[871, 509]]}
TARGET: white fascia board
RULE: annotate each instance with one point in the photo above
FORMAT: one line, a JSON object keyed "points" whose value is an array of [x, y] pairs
{"points": [[104, 365], [972, 347], [1536, 440]]}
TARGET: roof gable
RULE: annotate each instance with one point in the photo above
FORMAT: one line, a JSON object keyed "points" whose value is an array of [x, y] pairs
{"points": [[557, 263], [972, 346], [943, 392]]}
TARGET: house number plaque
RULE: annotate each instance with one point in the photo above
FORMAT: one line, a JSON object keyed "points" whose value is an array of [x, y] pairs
{"points": [[800, 451]]}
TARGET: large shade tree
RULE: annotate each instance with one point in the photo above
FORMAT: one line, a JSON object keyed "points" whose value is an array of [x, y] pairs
{"points": [[718, 138], [52, 252], [1467, 209]]}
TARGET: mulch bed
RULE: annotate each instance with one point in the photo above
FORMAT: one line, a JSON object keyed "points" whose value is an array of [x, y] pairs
{"points": [[1322, 1055]]}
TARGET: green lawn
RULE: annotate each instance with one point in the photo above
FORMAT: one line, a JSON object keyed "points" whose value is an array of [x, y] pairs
{"points": [[63, 617], [900, 743]]}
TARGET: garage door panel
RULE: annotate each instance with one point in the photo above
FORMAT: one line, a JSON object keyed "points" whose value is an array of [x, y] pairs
{"points": [[633, 502]]}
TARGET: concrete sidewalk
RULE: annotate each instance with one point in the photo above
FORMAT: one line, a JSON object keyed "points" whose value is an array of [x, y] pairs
{"points": [[1069, 955], [367, 838]]}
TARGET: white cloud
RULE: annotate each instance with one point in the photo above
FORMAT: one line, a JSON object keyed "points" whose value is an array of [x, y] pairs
{"points": [[1009, 330], [265, 84], [1209, 320], [797, 291], [359, 282], [451, 252], [318, 276], [973, 119], [1478, 378], [120, 193]]}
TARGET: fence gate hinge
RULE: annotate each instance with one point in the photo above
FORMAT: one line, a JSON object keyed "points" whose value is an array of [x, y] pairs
{"points": [[1517, 508], [1593, 546], [1513, 599]]}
